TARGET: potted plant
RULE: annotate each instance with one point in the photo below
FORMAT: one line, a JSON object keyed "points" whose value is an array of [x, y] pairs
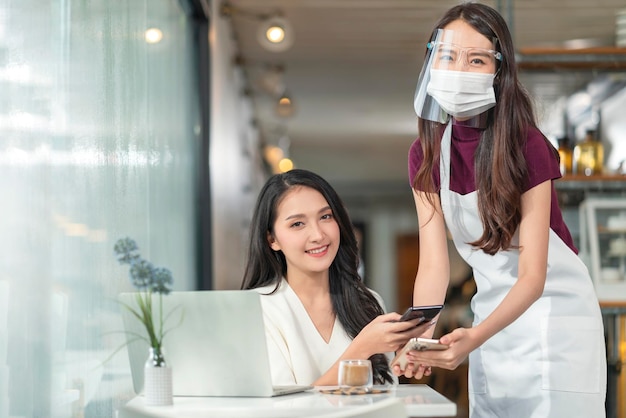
{"points": [[149, 280]]}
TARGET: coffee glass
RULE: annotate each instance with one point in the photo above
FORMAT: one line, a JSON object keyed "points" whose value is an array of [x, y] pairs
{"points": [[355, 374]]}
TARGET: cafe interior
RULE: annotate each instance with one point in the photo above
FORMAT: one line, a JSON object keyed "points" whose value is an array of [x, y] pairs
{"points": [[160, 120]]}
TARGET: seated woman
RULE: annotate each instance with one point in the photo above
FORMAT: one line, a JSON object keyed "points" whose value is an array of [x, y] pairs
{"points": [[303, 260]]}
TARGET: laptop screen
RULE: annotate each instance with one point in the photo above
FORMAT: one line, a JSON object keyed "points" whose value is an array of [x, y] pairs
{"points": [[217, 348]]}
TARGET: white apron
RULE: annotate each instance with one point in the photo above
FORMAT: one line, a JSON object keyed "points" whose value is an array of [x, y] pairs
{"points": [[551, 361]]}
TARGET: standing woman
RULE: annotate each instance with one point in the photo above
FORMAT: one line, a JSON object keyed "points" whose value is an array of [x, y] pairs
{"points": [[303, 260], [483, 170]]}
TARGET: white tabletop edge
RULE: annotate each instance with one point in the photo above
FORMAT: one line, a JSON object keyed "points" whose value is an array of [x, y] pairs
{"points": [[420, 401]]}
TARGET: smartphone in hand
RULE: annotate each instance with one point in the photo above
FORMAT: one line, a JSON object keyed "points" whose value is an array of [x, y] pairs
{"points": [[416, 344], [427, 313]]}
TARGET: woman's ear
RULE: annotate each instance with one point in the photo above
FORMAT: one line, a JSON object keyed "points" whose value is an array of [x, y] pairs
{"points": [[272, 242]]}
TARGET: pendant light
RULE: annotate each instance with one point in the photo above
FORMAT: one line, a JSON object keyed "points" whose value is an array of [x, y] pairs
{"points": [[275, 34]]}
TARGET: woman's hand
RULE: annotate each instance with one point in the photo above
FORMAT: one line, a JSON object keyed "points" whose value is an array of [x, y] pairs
{"points": [[460, 343], [415, 370], [386, 333]]}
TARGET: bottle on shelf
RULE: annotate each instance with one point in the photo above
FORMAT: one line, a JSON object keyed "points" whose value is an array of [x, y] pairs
{"points": [[565, 155], [589, 155]]}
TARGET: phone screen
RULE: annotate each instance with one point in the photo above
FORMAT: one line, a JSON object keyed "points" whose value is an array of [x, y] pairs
{"points": [[425, 312]]}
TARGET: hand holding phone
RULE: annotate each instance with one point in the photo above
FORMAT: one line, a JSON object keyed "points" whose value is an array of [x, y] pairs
{"points": [[427, 313], [417, 344]]}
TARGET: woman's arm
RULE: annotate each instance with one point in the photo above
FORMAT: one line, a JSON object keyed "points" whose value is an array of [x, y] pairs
{"points": [[383, 335], [533, 239], [433, 271]]}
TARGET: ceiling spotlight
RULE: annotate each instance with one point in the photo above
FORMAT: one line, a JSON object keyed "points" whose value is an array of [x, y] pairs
{"points": [[153, 35], [284, 106], [285, 165], [284, 101], [275, 34]]}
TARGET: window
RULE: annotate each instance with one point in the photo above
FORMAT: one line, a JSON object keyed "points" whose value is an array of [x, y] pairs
{"points": [[99, 133]]}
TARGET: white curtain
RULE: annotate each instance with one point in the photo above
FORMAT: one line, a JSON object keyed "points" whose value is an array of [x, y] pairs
{"points": [[98, 138]]}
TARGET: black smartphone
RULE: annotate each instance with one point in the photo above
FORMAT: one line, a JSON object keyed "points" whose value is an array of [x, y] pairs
{"points": [[427, 313]]}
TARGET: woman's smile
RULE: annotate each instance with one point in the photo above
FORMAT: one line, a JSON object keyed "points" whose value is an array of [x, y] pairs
{"points": [[319, 251]]}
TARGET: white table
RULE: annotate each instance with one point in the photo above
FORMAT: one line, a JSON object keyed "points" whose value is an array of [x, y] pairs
{"points": [[420, 401]]}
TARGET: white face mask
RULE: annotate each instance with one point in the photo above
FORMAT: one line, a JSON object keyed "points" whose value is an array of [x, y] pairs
{"points": [[462, 94]]}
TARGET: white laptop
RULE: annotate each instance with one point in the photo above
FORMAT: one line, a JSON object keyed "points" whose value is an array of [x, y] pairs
{"points": [[218, 349]]}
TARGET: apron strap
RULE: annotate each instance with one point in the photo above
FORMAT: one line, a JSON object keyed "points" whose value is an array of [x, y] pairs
{"points": [[444, 159]]}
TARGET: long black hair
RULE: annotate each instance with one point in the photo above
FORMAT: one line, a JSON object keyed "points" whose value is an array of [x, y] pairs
{"points": [[354, 305], [499, 164]]}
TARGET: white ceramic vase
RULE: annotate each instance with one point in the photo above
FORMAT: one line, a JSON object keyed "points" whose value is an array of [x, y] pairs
{"points": [[157, 380]]}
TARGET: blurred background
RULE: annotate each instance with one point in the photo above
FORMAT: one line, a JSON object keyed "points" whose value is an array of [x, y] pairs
{"points": [[160, 120], [350, 68]]}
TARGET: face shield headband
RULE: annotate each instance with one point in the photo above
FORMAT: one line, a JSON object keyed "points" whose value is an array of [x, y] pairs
{"points": [[456, 82]]}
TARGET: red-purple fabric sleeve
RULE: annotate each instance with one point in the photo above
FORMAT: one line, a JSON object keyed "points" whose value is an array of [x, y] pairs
{"points": [[541, 159], [416, 157]]}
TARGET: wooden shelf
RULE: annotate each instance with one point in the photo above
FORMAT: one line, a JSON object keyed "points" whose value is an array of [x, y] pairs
{"points": [[573, 189], [550, 58], [600, 177], [604, 230], [620, 305], [612, 182]]}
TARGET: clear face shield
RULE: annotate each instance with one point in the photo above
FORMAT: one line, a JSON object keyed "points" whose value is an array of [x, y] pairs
{"points": [[456, 82]]}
